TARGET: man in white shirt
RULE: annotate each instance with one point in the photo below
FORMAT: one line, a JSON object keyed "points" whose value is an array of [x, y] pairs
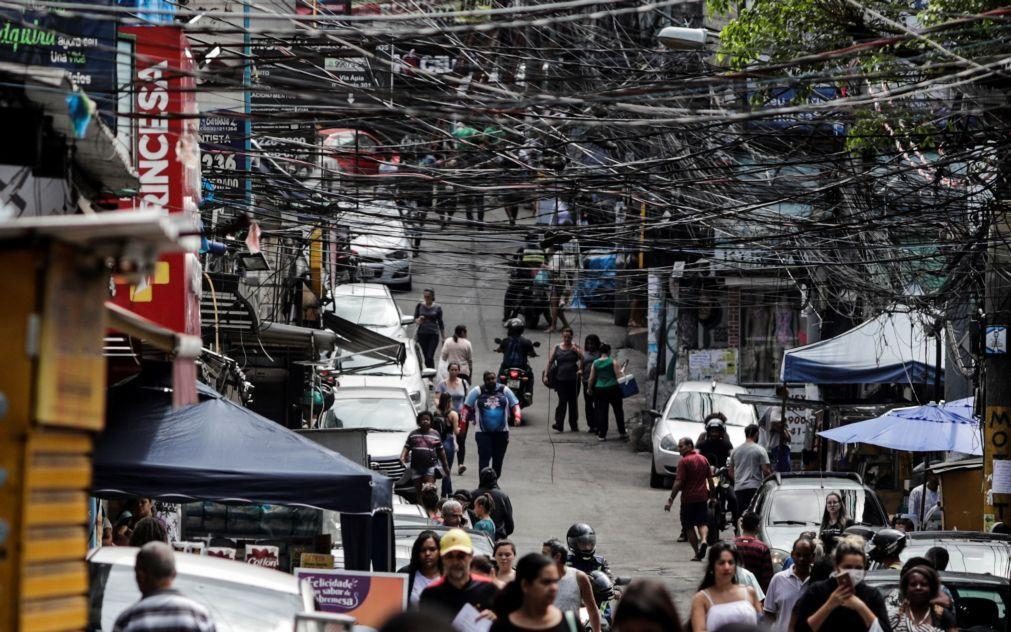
{"points": [[786, 586], [916, 506]]}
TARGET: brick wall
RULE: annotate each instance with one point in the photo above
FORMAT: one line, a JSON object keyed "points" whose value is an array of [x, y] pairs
{"points": [[733, 317]]}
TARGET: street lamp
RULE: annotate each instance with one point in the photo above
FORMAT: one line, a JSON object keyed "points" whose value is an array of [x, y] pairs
{"points": [[682, 38]]}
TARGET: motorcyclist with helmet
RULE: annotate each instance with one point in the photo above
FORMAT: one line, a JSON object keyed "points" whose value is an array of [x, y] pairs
{"points": [[582, 542], [605, 596], [713, 443], [516, 350], [884, 549]]}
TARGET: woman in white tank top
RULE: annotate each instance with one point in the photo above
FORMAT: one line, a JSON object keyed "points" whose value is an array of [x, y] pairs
{"points": [[721, 600]]}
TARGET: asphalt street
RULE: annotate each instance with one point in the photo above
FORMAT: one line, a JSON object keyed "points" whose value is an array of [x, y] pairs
{"points": [[554, 479]]}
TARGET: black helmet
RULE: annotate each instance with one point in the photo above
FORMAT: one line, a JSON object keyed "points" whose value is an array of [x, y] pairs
{"points": [[582, 540], [516, 326], [715, 424], [886, 543], [603, 587], [864, 532]]}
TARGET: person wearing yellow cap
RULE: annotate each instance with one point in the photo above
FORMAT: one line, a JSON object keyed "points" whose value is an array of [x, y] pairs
{"points": [[457, 587]]}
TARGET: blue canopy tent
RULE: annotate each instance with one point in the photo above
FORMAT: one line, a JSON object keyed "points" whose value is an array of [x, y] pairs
{"points": [[218, 451], [892, 348], [928, 428]]}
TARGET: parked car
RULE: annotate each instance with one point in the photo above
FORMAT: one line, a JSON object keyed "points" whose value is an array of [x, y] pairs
{"points": [[981, 601], [682, 416], [379, 241], [387, 413], [968, 551], [240, 597], [362, 371], [348, 151], [792, 503], [370, 305]]}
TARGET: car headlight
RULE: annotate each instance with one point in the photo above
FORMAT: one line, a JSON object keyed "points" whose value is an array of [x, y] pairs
{"points": [[778, 558], [668, 443], [398, 254]]}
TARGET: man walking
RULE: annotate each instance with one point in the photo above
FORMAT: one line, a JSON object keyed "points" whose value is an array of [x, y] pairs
{"points": [[161, 608], [748, 466], [786, 586], [693, 478], [494, 407], [918, 507], [502, 513], [456, 588], [755, 554], [574, 588]]}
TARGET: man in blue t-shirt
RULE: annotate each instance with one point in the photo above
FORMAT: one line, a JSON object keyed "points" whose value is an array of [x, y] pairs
{"points": [[492, 407]]}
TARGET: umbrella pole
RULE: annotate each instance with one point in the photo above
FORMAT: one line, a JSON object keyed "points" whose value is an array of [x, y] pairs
{"points": [[923, 496]]}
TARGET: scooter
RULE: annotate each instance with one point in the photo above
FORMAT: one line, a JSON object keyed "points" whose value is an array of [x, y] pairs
{"points": [[720, 511], [518, 380]]}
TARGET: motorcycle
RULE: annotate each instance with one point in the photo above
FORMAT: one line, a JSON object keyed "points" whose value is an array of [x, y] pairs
{"points": [[518, 380], [721, 513], [524, 297]]}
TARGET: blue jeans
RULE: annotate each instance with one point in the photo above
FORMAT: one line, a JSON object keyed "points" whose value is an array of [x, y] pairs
{"points": [[491, 447], [780, 457], [449, 445]]}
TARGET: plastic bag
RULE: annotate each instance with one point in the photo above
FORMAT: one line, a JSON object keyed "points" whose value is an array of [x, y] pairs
{"points": [[441, 371]]}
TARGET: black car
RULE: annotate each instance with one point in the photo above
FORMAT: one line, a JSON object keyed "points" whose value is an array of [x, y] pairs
{"points": [[968, 551], [792, 503], [981, 601]]}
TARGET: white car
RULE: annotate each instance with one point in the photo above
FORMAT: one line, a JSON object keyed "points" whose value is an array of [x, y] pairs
{"points": [[682, 416], [383, 249], [240, 597], [386, 412], [362, 371], [370, 305]]}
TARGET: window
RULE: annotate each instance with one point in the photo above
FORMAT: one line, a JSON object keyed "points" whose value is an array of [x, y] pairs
{"points": [[769, 324], [371, 413], [807, 506], [696, 406]]}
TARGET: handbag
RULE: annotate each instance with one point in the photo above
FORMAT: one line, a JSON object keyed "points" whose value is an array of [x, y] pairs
{"points": [[628, 386]]}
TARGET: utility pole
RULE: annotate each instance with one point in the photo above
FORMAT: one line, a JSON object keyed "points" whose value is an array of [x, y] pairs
{"points": [[996, 413]]}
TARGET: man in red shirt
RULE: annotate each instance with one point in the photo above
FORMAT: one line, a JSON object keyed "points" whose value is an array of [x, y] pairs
{"points": [[694, 479], [755, 554]]}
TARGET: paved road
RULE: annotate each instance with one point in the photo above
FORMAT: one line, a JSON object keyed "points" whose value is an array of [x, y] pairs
{"points": [[555, 479]]}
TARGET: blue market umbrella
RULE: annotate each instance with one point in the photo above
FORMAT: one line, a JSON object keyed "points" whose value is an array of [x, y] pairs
{"points": [[929, 428], [962, 407]]}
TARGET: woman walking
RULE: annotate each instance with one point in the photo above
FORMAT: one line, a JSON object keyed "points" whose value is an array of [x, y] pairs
{"points": [[447, 421], [505, 557], [918, 588], [527, 604], [457, 388], [604, 374], [833, 521], [423, 452], [563, 373], [431, 329], [721, 600], [425, 566], [591, 351], [458, 349]]}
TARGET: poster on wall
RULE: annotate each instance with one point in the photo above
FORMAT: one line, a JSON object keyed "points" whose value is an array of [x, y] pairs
{"points": [[371, 598], [718, 365]]}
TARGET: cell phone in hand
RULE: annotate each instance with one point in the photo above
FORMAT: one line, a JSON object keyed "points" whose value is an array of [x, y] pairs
{"points": [[844, 580]]}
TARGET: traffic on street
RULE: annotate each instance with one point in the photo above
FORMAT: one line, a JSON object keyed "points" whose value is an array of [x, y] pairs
{"points": [[444, 316]]}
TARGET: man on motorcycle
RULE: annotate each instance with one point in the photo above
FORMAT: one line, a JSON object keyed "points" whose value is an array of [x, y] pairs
{"points": [[516, 352], [714, 444], [582, 541]]}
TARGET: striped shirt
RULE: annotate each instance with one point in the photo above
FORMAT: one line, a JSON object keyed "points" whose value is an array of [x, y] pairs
{"points": [[165, 611]]}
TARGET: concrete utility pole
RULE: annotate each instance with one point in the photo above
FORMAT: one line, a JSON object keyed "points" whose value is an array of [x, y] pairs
{"points": [[996, 415]]}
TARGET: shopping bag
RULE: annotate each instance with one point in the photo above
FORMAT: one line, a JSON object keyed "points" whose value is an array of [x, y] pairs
{"points": [[442, 371], [628, 386]]}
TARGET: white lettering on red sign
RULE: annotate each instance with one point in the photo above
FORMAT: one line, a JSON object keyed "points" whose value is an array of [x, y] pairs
{"points": [[154, 146]]}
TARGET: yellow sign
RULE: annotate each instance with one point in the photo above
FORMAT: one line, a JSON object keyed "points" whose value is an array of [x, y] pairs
{"points": [[996, 432], [71, 373], [144, 293], [316, 560]]}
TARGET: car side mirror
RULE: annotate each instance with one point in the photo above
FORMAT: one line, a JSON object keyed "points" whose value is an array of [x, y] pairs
{"points": [[428, 373], [653, 413], [406, 320]]}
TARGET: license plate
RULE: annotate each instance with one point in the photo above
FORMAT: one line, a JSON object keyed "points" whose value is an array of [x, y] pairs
{"points": [[513, 383]]}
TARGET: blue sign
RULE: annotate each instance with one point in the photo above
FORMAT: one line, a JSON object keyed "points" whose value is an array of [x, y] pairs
{"points": [[797, 121], [224, 156]]}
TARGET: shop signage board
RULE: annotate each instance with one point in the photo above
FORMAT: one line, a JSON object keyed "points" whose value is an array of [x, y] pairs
{"points": [[371, 598], [718, 365], [224, 157]]}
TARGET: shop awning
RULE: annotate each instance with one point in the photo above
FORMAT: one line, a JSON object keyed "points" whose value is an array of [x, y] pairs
{"points": [[892, 348], [216, 450], [352, 338]]}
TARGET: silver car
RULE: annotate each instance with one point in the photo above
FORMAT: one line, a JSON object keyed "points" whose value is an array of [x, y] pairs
{"points": [[370, 305], [383, 249], [240, 597], [362, 371], [683, 416]]}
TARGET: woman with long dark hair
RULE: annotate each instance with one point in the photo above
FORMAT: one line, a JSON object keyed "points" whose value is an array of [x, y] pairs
{"points": [[457, 387], [505, 556], [527, 604], [604, 375], [646, 605], [431, 329], [918, 588], [425, 565], [720, 599], [834, 521], [591, 351], [447, 423]]}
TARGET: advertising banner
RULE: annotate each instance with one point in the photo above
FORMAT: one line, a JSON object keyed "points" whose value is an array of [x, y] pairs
{"points": [[371, 598], [224, 157]]}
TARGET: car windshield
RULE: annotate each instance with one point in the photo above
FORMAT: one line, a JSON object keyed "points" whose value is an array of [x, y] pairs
{"points": [[367, 365], [993, 558], [234, 607], [806, 507], [377, 311], [374, 413], [695, 406]]}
